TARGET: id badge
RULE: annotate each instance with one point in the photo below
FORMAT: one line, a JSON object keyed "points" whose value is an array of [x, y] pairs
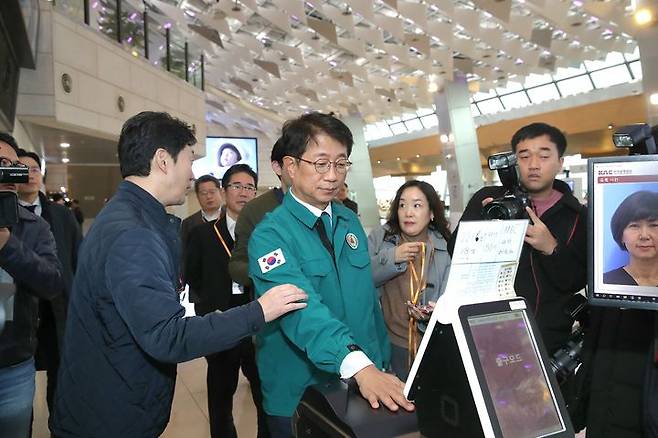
{"points": [[237, 289]]}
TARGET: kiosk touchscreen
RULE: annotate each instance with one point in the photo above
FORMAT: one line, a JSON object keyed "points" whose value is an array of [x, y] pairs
{"points": [[493, 380], [623, 217]]}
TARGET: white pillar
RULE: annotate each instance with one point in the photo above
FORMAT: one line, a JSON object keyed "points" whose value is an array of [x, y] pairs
{"points": [[461, 154], [359, 178], [646, 40]]}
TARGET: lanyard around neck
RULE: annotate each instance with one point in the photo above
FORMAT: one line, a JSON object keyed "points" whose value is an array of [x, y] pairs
{"points": [[221, 239]]}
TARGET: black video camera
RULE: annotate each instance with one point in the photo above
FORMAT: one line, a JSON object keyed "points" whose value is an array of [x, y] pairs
{"points": [[513, 203], [8, 199], [640, 139]]}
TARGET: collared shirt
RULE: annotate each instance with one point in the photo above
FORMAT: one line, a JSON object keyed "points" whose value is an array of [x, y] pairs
{"points": [[356, 360], [230, 224], [37, 203], [210, 217]]}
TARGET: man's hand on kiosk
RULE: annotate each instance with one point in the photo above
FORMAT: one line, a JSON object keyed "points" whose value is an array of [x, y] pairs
{"points": [[538, 236], [377, 386], [407, 251], [280, 300]]}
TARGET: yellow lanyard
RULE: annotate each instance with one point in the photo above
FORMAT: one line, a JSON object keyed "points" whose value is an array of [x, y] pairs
{"points": [[417, 284], [221, 239]]}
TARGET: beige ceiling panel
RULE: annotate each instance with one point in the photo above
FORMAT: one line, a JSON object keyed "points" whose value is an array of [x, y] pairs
{"points": [[443, 31], [270, 67], [416, 12], [277, 17], [442, 56], [291, 52], [542, 37], [319, 65], [512, 47], [521, 25], [391, 24], [446, 6], [424, 65], [372, 36], [358, 71], [419, 42], [560, 47], [392, 3], [249, 42], [492, 36], [244, 85], [292, 7], [345, 21], [308, 93], [401, 52], [228, 8], [363, 8], [342, 76], [219, 24], [464, 46], [381, 60], [174, 13], [309, 38], [498, 8], [324, 28], [464, 65], [353, 45], [469, 18]]}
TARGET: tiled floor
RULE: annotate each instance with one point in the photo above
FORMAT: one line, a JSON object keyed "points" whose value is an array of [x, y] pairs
{"points": [[189, 413]]}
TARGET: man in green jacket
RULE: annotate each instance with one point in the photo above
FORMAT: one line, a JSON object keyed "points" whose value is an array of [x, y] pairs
{"points": [[319, 246]]}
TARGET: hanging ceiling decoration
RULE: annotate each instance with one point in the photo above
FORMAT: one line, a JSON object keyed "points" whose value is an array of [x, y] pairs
{"points": [[381, 58]]}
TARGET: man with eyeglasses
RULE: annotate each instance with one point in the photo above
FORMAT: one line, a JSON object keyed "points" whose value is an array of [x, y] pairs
{"points": [[206, 270], [319, 246], [66, 230], [29, 270]]}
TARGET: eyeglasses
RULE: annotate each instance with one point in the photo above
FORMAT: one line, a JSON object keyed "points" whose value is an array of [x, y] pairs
{"points": [[322, 165], [6, 162], [236, 187], [208, 192]]}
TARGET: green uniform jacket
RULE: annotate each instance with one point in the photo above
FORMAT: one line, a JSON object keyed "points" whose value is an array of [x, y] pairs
{"points": [[308, 346]]}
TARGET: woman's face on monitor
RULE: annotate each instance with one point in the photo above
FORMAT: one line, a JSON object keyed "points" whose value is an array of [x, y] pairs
{"points": [[228, 157], [641, 238]]}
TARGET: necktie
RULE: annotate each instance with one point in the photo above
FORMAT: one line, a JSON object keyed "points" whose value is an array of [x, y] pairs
{"points": [[32, 208], [326, 221], [322, 231]]}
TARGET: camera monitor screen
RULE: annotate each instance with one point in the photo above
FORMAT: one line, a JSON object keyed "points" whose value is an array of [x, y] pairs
{"points": [[224, 152], [517, 390], [623, 231]]}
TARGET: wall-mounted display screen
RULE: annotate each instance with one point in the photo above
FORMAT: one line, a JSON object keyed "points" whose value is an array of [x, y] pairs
{"points": [[224, 152]]}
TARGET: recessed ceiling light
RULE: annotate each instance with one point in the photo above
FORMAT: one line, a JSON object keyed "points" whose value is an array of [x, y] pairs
{"points": [[379, 161], [643, 16], [64, 145], [397, 158], [417, 155], [653, 99], [65, 160]]}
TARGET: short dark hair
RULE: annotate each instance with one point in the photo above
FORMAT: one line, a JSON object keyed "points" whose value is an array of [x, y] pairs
{"points": [[145, 133], [278, 152], [296, 134], [9, 139], [23, 153], [436, 206], [238, 168], [538, 129], [641, 205], [228, 146], [204, 179], [56, 197]]}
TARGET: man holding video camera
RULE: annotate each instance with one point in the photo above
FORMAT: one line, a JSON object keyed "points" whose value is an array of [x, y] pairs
{"points": [[553, 264], [29, 270]]}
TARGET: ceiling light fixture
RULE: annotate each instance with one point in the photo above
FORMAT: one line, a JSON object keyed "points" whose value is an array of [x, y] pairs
{"points": [[64, 145], [643, 16], [65, 160], [653, 99]]}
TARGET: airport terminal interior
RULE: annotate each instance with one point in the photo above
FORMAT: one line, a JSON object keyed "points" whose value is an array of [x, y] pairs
{"points": [[429, 88]]}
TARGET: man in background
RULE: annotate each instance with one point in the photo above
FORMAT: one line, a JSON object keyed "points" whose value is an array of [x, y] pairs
{"points": [[208, 254], [65, 229], [344, 198]]}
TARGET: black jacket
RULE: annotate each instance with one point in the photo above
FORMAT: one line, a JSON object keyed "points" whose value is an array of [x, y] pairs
{"points": [[126, 329], [29, 256], [67, 234], [206, 268], [548, 282]]}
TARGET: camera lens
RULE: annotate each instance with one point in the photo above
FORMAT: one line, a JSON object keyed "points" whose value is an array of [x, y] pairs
{"points": [[496, 210]]}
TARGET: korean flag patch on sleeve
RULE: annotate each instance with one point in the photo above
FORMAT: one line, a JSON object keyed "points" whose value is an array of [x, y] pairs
{"points": [[271, 260]]}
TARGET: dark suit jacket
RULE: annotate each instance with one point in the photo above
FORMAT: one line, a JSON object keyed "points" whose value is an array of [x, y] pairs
{"points": [[206, 269], [187, 225], [351, 205], [66, 230]]}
